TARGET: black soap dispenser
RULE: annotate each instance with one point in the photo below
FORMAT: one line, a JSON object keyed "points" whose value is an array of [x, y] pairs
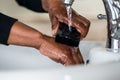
{"points": [[66, 36]]}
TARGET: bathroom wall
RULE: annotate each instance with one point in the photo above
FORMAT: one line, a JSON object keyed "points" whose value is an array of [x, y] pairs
{"points": [[40, 21], [89, 8]]}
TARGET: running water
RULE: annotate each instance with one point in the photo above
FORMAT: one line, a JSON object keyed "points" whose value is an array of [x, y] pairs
{"points": [[69, 14]]}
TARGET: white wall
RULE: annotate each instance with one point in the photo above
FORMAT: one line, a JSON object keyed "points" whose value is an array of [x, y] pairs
{"points": [[89, 8]]}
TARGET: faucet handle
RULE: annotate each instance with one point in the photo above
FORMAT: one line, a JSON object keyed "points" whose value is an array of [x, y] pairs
{"points": [[101, 16]]}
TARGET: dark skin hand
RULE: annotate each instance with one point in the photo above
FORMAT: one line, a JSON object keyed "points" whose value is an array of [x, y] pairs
{"points": [[60, 53], [58, 13], [20, 34]]}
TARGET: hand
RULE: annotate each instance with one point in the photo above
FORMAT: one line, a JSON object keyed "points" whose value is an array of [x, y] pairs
{"points": [[58, 13], [60, 53], [20, 34]]}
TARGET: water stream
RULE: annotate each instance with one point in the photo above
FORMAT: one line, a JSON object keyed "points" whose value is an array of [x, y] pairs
{"points": [[69, 14]]}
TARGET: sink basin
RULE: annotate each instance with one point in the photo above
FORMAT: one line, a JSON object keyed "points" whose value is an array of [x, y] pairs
{"points": [[25, 63], [17, 57]]}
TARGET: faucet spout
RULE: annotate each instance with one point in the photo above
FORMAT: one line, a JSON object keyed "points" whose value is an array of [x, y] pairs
{"points": [[112, 8], [68, 2]]}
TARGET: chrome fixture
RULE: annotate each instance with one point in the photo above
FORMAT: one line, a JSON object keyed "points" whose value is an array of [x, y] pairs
{"points": [[68, 2], [112, 8], [101, 16]]}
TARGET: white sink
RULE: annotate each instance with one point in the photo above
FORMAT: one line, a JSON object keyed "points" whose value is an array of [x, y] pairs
{"points": [[24, 63]]}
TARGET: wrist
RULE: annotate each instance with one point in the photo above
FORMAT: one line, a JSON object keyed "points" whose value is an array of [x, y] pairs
{"points": [[48, 4], [45, 5], [39, 38]]}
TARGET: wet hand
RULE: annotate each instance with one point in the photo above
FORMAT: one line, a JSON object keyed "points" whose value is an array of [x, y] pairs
{"points": [[60, 53], [58, 13]]}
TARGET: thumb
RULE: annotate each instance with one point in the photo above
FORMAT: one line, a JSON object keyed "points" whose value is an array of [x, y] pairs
{"points": [[54, 23], [55, 28]]}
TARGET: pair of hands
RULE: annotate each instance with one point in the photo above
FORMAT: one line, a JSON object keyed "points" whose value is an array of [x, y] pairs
{"points": [[60, 53]]}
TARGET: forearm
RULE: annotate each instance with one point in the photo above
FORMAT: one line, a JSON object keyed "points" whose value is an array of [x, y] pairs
{"points": [[24, 35]]}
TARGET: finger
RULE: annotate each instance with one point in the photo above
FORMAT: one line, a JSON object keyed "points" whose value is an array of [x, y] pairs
{"points": [[80, 28], [75, 56], [77, 21], [56, 60], [54, 22], [68, 61], [55, 28], [80, 18], [80, 25], [62, 15], [64, 59], [80, 57]]}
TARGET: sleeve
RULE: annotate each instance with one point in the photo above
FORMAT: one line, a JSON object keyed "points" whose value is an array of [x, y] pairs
{"points": [[34, 5], [5, 27]]}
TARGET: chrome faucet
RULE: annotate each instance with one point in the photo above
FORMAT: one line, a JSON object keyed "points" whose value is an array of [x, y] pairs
{"points": [[68, 2], [112, 8]]}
